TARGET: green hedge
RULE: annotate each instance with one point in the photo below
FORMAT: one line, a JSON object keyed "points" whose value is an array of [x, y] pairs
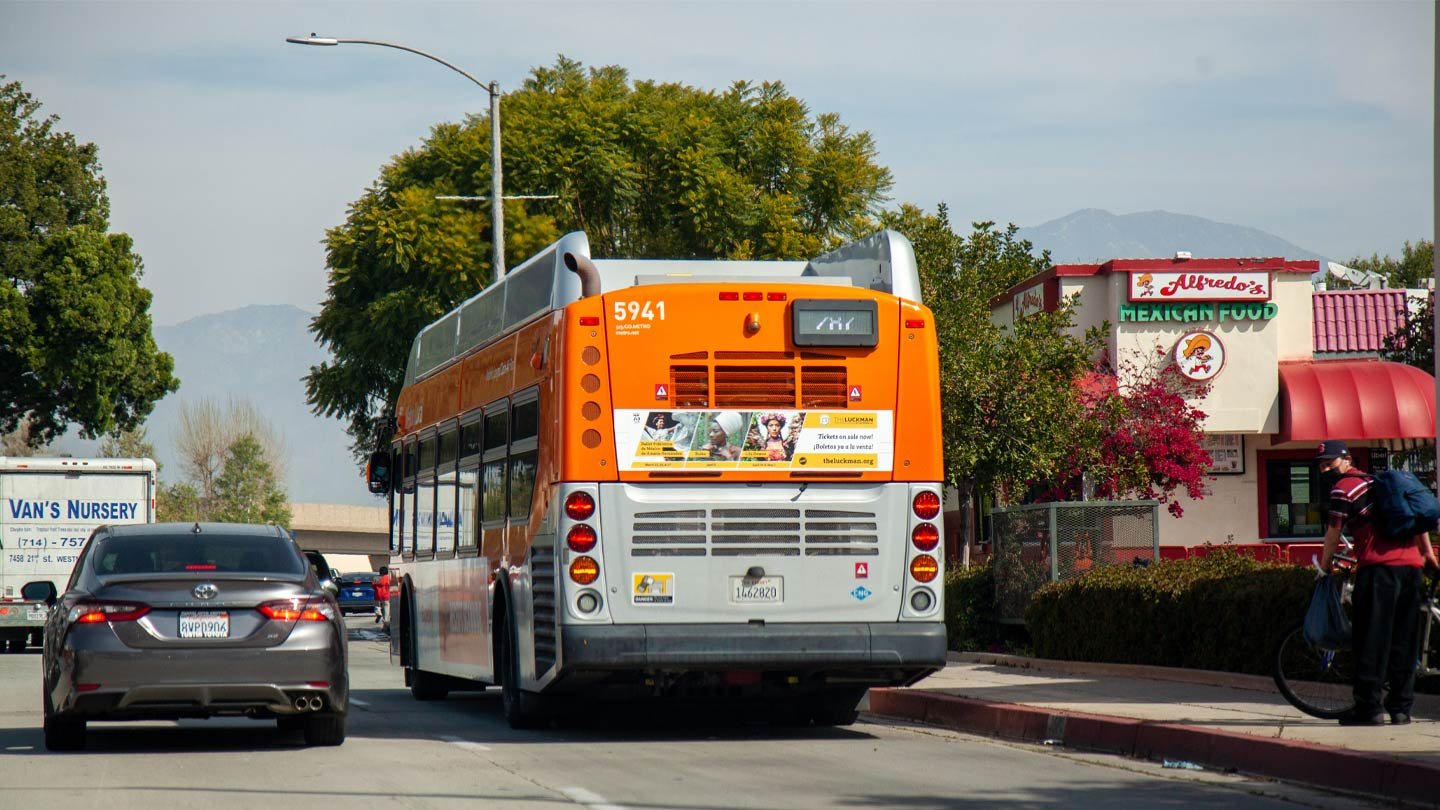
{"points": [[970, 608], [1222, 612]]}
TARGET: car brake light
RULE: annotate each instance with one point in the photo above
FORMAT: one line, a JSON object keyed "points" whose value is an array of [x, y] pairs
{"points": [[925, 536], [201, 567], [584, 570], [581, 538], [297, 610], [924, 568], [98, 612], [579, 506], [926, 505]]}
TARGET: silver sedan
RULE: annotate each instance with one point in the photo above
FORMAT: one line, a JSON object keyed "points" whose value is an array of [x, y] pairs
{"points": [[164, 621]]}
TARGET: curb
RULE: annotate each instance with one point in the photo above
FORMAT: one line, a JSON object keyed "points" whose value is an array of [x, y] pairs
{"points": [[1425, 705], [1291, 760]]}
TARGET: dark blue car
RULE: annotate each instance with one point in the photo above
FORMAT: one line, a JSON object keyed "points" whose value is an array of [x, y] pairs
{"points": [[357, 592]]}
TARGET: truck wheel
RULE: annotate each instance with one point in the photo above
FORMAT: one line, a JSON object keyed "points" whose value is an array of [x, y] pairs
{"points": [[837, 708]]}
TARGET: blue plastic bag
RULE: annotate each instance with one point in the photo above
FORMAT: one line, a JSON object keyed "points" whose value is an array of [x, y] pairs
{"points": [[1326, 625]]}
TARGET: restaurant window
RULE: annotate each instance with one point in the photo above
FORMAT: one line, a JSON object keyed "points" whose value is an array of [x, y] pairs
{"points": [[1295, 505]]}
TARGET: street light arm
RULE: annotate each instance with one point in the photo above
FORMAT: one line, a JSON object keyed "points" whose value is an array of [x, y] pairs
{"points": [[314, 40]]}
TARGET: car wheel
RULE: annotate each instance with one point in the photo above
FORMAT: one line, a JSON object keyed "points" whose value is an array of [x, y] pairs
{"points": [[61, 733], [324, 729]]}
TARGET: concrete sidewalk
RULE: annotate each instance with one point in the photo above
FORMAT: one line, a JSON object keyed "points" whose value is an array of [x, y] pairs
{"points": [[1216, 719]]}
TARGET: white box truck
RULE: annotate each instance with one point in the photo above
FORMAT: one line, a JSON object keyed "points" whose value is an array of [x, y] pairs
{"points": [[48, 507]]}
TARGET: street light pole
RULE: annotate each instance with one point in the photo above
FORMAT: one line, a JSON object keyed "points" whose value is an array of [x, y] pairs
{"points": [[497, 209]]}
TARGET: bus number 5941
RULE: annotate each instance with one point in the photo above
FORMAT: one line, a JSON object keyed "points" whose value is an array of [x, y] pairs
{"points": [[636, 310]]}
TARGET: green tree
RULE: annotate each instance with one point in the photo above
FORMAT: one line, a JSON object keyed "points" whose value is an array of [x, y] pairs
{"points": [[179, 501], [1415, 265], [247, 490], [75, 336], [128, 444], [646, 169], [1009, 406], [1414, 343]]}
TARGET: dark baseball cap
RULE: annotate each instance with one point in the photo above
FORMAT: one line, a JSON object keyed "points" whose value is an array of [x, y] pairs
{"points": [[1334, 448]]}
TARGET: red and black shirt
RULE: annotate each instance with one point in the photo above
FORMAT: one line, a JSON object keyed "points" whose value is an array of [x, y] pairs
{"points": [[1351, 508]]}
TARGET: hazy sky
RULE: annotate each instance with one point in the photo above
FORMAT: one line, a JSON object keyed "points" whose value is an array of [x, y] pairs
{"points": [[229, 152]]}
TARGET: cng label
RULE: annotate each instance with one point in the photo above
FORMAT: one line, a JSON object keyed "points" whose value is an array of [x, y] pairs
{"points": [[854, 393], [862, 570], [652, 588], [662, 391]]}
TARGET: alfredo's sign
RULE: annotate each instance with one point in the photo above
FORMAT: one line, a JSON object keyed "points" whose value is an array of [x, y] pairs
{"points": [[1243, 285], [1029, 301]]}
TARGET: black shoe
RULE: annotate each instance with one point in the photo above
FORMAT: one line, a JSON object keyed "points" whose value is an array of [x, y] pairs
{"points": [[1353, 718], [1399, 719]]}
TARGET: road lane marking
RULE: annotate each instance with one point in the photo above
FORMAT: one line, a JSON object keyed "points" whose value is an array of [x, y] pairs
{"points": [[358, 702], [589, 798], [460, 742]]}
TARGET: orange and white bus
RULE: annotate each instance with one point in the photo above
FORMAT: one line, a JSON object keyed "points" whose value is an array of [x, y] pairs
{"points": [[672, 478]]}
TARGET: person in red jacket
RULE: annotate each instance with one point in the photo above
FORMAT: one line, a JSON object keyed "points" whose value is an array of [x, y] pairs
{"points": [[382, 597]]}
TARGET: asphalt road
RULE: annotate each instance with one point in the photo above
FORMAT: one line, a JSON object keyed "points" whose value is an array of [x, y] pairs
{"points": [[459, 753]]}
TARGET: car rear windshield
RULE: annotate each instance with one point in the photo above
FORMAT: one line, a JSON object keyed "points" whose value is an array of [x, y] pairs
{"points": [[197, 553]]}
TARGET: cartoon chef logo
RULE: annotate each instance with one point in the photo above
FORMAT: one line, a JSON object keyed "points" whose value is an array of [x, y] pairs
{"points": [[1146, 284], [1199, 356]]}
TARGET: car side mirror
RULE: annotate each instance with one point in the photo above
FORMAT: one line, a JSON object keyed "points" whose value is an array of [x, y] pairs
{"points": [[329, 586], [377, 472], [40, 591]]}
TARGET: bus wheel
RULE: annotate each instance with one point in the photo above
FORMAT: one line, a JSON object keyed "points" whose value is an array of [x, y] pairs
{"points": [[423, 685], [522, 709], [837, 707]]}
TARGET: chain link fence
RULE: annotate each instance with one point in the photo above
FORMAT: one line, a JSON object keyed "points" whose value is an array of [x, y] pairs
{"points": [[1052, 542]]}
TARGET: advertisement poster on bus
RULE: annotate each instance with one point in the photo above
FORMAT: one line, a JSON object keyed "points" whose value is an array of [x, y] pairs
{"points": [[755, 440]]}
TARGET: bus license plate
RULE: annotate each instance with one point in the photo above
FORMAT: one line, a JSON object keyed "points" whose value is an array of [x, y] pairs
{"points": [[765, 590], [204, 625], [36, 614]]}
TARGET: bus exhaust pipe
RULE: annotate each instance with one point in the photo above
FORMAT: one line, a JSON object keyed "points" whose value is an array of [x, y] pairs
{"points": [[587, 271]]}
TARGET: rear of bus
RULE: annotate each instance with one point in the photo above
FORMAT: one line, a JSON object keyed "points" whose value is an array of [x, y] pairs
{"points": [[750, 489]]}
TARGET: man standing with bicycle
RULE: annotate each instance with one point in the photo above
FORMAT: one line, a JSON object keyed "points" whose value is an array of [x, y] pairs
{"points": [[1387, 595]]}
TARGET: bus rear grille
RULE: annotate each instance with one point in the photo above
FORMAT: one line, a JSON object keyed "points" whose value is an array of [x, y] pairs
{"points": [[755, 532], [690, 386], [759, 387], [542, 591]]}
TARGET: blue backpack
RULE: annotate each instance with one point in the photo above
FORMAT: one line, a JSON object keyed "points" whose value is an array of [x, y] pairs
{"points": [[1403, 507]]}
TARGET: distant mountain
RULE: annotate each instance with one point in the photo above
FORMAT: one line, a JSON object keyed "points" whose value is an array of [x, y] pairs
{"points": [[261, 352], [1093, 235]]}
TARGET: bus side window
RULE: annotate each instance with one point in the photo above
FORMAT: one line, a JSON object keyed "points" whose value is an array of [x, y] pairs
{"points": [[425, 496], [397, 498], [524, 443], [468, 511], [492, 476]]}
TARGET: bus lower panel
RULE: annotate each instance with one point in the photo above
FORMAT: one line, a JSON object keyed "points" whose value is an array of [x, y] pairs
{"points": [[889, 653]]}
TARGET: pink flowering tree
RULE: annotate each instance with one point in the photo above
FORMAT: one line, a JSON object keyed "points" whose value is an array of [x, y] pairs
{"points": [[1143, 437]]}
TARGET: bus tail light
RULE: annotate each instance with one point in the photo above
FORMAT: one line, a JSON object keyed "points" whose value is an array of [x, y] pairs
{"points": [[581, 538], [926, 505], [584, 570], [100, 612], [579, 506], [924, 568], [925, 536]]}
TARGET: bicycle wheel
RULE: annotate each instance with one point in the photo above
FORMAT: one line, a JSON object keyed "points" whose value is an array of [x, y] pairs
{"points": [[1315, 681]]}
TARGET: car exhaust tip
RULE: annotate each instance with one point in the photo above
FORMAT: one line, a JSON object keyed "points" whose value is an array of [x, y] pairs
{"points": [[316, 704], [302, 703]]}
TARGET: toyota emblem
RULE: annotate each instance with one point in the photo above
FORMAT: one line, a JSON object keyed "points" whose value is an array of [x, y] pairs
{"points": [[205, 590]]}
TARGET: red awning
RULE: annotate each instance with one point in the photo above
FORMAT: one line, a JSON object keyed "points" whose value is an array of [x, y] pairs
{"points": [[1355, 399]]}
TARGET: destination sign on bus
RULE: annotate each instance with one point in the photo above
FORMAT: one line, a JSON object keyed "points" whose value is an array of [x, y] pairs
{"points": [[755, 440], [821, 322]]}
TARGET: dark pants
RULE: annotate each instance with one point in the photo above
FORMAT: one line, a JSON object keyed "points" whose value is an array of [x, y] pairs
{"points": [[1387, 642]]}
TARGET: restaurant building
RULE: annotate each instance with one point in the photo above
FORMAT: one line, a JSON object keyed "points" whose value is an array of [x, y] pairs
{"points": [[1288, 366]]}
